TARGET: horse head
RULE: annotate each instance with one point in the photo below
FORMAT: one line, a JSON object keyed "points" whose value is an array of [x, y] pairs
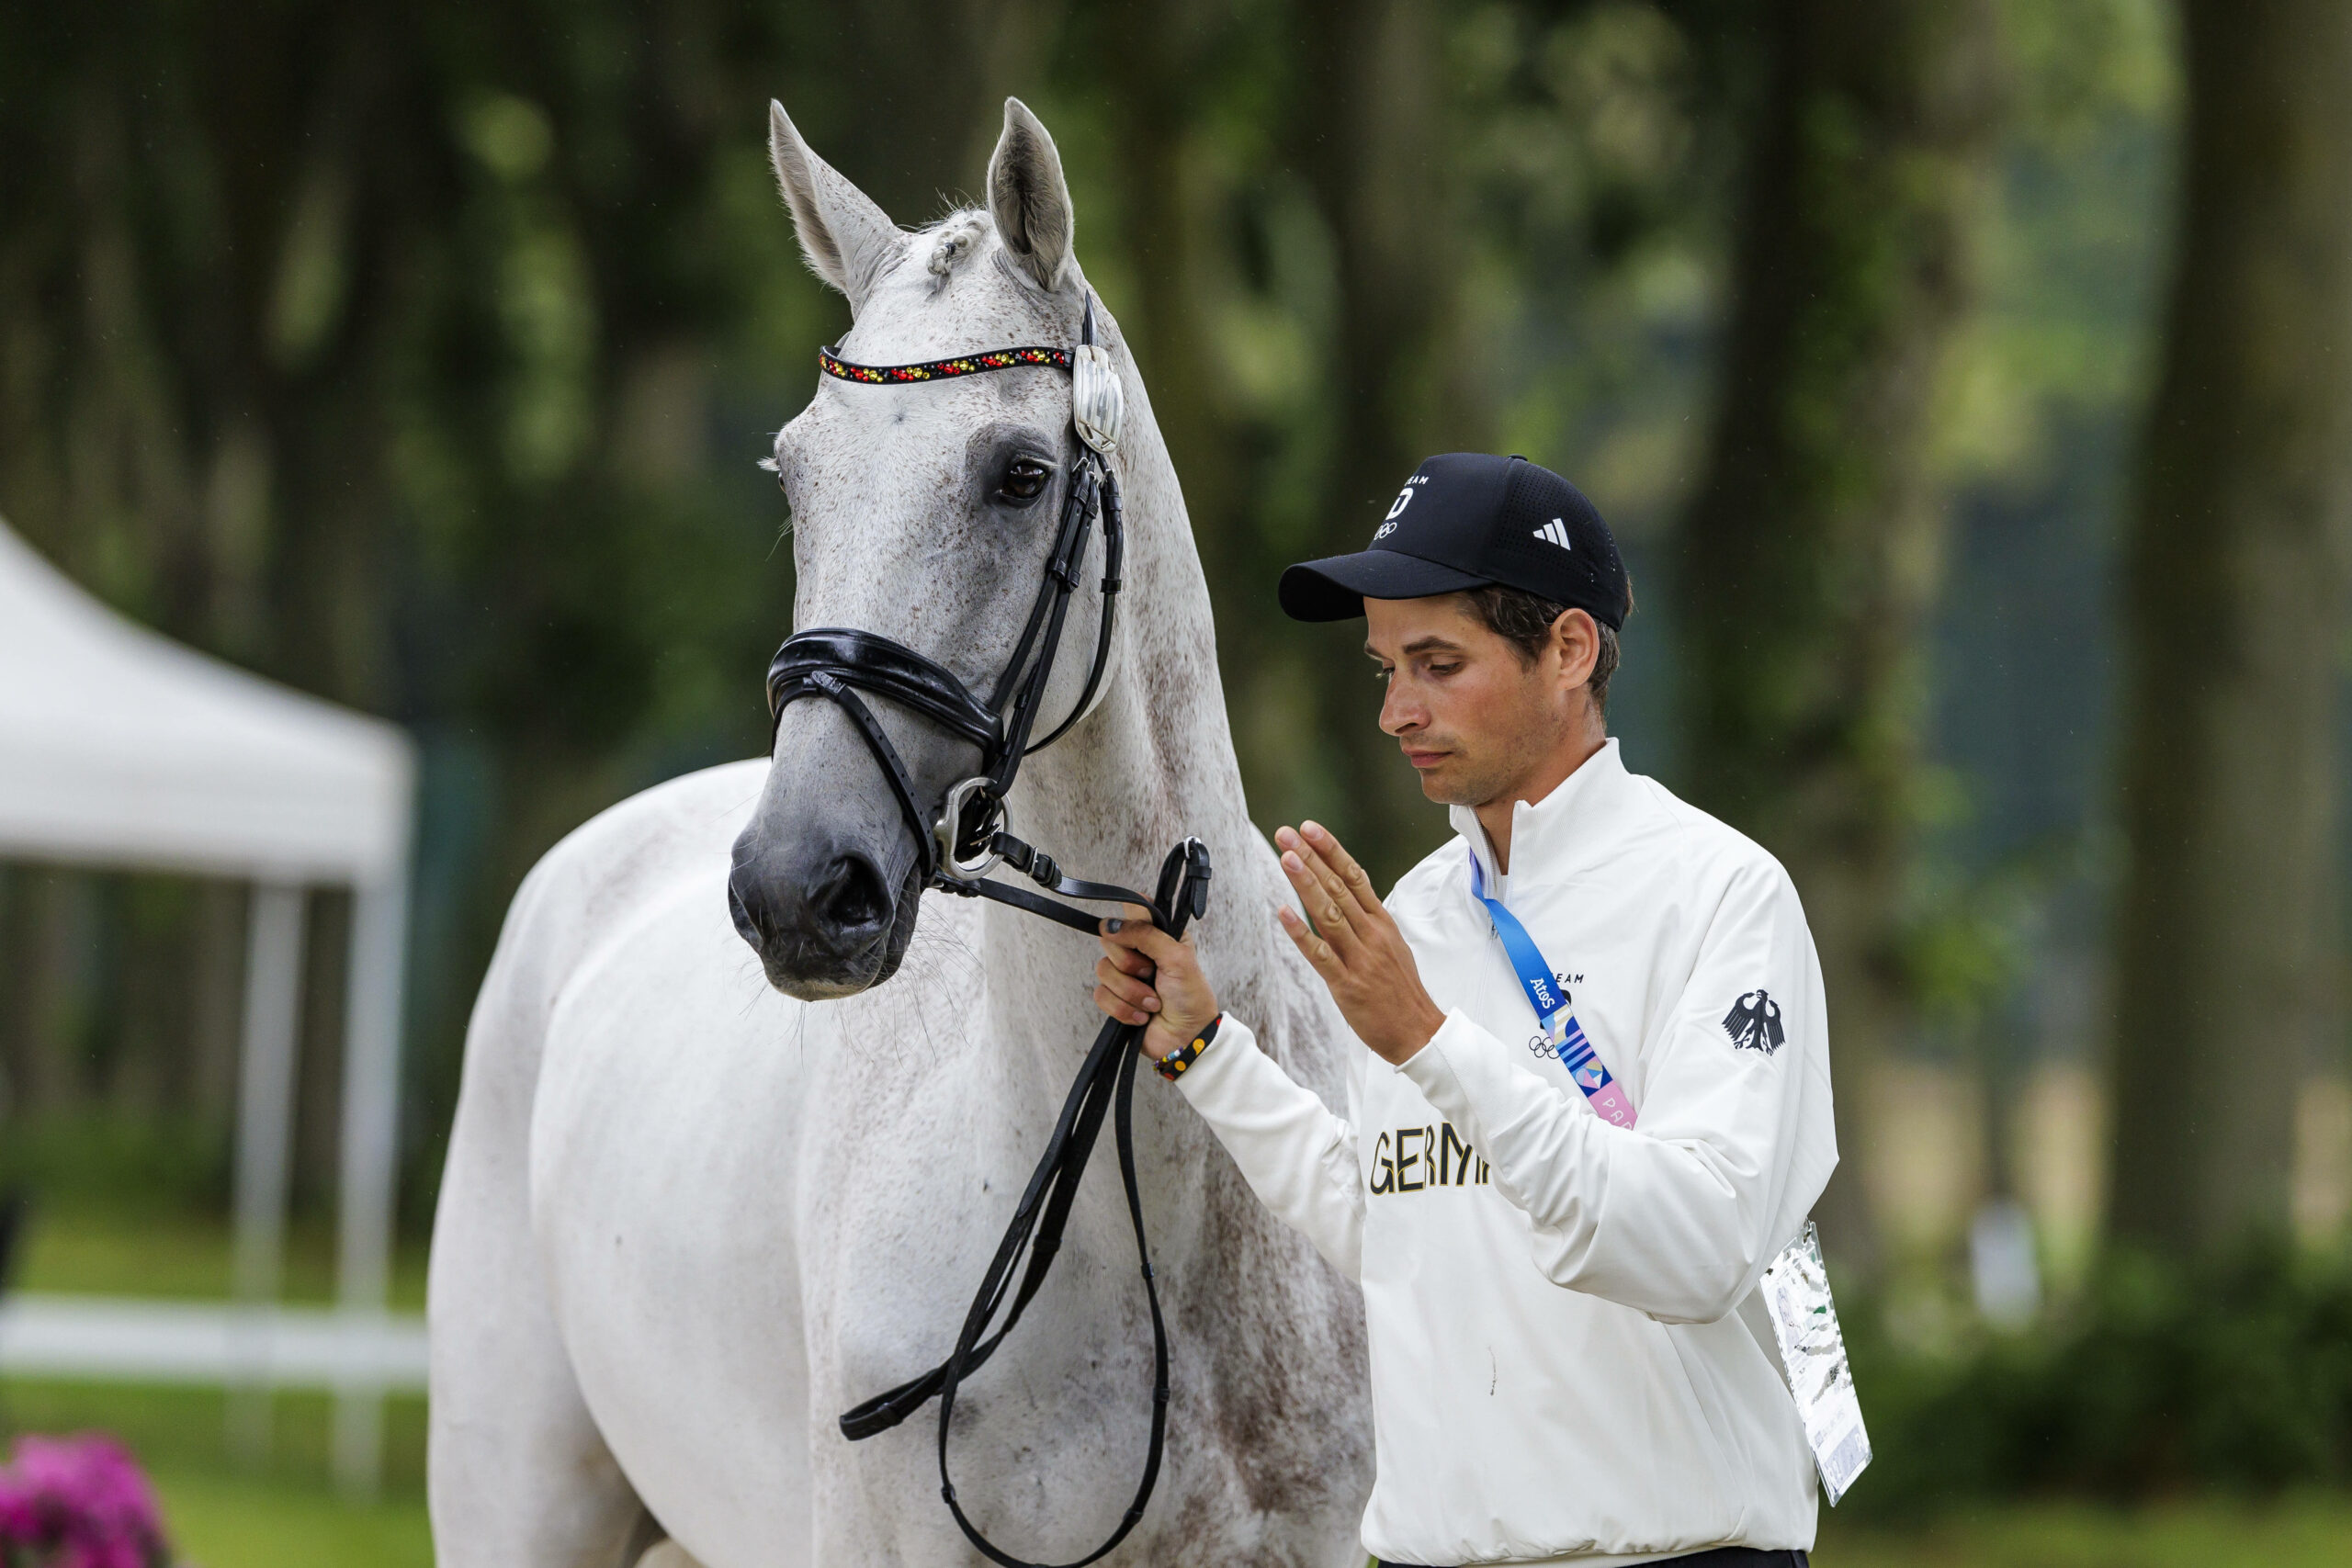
{"points": [[924, 512]]}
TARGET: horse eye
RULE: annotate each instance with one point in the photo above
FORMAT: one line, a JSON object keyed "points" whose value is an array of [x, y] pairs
{"points": [[1026, 479]]}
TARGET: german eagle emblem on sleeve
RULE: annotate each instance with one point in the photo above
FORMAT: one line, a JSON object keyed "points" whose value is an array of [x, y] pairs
{"points": [[1754, 1023]]}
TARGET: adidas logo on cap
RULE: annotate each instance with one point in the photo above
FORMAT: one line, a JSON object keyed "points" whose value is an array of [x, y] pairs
{"points": [[1555, 533]]}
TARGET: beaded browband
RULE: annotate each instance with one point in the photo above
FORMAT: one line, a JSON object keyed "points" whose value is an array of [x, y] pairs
{"points": [[940, 370]]}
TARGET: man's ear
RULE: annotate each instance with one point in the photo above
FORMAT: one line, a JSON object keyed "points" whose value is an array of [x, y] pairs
{"points": [[1578, 637], [847, 238], [1028, 197]]}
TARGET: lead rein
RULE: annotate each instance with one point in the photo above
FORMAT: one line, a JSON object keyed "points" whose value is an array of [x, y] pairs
{"points": [[1105, 1083]]}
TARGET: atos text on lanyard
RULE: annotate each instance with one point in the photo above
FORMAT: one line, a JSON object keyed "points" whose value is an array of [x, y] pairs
{"points": [[1560, 1027]]}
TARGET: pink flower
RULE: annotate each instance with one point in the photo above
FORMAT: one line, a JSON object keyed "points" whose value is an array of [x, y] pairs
{"points": [[79, 1501], [19, 1515]]}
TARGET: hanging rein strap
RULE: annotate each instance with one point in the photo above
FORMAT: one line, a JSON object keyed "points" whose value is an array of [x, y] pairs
{"points": [[1105, 1083]]}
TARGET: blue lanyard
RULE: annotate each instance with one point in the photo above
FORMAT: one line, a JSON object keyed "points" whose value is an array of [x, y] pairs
{"points": [[1561, 1031]]}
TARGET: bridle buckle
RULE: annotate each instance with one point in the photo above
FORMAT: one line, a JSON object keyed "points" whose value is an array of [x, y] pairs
{"points": [[949, 831]]}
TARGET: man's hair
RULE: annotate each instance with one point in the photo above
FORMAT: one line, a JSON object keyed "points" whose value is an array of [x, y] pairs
{"points": [[1524, 620]]}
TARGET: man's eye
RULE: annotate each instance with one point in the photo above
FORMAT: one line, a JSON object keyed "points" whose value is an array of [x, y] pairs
{"points": [[1026, 479], [1442, 669]]}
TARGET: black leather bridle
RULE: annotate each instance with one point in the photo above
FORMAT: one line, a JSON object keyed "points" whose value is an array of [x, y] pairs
{"points": [[965, 836]]}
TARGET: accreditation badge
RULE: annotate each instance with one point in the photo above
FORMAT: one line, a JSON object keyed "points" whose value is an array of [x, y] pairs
{"points": [[1812, 1353]]}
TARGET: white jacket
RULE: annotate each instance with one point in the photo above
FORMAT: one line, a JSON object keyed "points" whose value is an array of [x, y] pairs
{"points": [[1568, 1360]]}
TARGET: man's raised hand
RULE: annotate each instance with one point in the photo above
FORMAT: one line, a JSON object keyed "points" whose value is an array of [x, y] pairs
{"points": [[1354, 945]]}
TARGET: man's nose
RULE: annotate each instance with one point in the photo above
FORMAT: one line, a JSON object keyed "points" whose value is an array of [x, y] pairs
{"points": [[1399, 711]]}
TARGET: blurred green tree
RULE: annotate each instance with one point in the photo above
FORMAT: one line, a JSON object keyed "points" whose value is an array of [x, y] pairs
{"points": [[1808, 559], [2234, 600], [417, 356]]}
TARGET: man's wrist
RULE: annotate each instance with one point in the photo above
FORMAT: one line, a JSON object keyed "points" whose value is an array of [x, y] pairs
{"points": [[1406, 1043], [1172, 1065], [1167, 1034]]}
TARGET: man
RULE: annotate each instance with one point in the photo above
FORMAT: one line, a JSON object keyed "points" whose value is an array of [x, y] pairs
{"points": [[1570, 1360]]}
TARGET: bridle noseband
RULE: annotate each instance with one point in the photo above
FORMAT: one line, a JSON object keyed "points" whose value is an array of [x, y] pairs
{"points": [[965, 836]]}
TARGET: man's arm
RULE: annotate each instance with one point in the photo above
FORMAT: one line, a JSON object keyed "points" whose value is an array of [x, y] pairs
{"points": [[1297, 1158], [1676, 1219], [1678, 1216]]}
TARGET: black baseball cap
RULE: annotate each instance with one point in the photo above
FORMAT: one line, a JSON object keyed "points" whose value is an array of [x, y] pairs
{"points": [[1464, 520]]}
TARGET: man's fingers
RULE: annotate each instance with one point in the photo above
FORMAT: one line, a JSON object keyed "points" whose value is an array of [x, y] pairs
{"points": [[1132, 930], [1319, 952], [1126, 988], [1313, 845], [1343, 879], [1311, 897], [1335, 854], [1157, 945], [1129, 961], [1320, 891], [1325, 897], [1118, 1008]]}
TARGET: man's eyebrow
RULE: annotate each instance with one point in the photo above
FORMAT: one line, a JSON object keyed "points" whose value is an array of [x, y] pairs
{"points": [[1430, 644]]}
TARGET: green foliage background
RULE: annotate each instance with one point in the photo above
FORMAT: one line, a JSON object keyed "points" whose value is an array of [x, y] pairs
{"points": [[419, 355]]}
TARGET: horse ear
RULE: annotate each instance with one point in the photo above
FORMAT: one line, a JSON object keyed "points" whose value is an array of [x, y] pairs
{"points": [[1028, 197], [847, 238]]}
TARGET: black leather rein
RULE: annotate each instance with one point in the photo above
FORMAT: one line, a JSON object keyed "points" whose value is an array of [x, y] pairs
{"points": [[965, 836]]}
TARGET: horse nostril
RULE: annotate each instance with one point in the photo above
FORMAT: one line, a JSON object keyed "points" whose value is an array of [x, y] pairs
{"points": [[747, 925], [852, 897]]}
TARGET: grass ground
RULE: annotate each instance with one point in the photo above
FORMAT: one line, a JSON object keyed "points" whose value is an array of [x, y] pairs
{"points": [[103, 1249], [285, 1515], [222, 1512], [282, 1512], [224, 1521], [2296, 1532]]}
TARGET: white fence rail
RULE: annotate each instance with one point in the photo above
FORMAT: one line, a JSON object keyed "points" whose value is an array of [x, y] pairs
{"points": [[119, 1340]]}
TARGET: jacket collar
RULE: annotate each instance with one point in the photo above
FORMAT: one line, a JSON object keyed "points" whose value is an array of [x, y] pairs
{"points": [[1555, 835]]}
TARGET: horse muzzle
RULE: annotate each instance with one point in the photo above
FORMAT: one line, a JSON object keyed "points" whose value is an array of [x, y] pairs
{"points": [[828, 916]]}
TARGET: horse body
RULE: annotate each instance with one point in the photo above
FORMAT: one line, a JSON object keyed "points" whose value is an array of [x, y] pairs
{"points": [[689, 1218]]}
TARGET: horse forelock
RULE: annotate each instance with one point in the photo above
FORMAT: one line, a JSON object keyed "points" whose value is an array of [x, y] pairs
{"points": [[955, 239], [953, 287]]}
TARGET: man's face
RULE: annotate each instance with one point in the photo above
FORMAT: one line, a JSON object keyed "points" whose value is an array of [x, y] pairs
{"points": [[1472, 717]]}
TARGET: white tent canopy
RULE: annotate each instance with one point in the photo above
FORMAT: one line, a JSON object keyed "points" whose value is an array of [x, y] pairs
{"points": [[120, 748]]}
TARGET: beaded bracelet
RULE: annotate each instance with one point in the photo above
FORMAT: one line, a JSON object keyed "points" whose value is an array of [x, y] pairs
{"points": [[1171, 1066]]}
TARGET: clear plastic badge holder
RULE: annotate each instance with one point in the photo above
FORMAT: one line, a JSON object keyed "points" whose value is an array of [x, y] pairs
{"points": [[1804, 1319]]}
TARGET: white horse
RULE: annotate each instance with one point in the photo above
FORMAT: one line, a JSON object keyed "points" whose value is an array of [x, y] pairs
{"points": [[691, 1213]]}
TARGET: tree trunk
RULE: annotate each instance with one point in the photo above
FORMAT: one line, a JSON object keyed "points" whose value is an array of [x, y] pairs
{"points": [[1153, 63], [1372, 140], [1809, 558], [49, 1013], [929, 82], [2234, 602]]}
